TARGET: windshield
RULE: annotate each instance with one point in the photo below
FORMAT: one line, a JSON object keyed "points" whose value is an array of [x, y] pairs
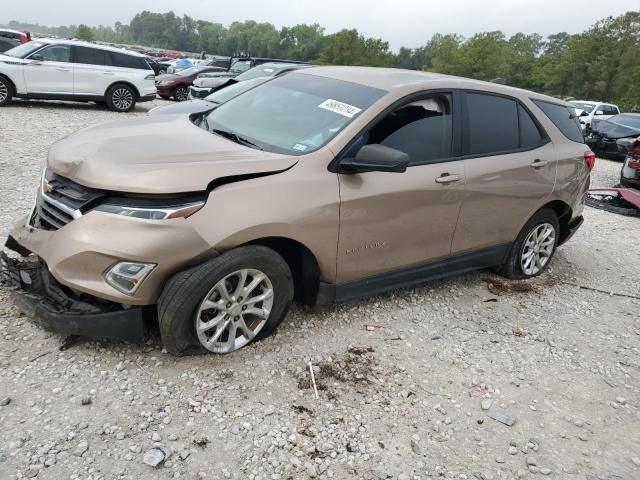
{"points": [[295, 113], [632, 121], [23, 50], [241, 65], [587, 107], [255, 72], [233, 90]]}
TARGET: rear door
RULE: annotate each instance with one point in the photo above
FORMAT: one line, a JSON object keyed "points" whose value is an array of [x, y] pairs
{"points": [[90, 74], [51, 71], [121, 66], [510, 166]]}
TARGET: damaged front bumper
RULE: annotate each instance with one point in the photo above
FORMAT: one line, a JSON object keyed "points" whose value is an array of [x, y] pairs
{"points": [[59, 309]]}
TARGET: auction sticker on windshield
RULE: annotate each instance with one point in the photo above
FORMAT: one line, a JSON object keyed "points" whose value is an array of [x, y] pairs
{"points": [[340, 108]]}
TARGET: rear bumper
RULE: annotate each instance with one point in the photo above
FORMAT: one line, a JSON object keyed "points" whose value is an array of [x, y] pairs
{"points": [[37, 294]]}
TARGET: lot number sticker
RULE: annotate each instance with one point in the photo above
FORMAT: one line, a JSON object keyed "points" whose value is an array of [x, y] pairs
{"points": [[340, 108]]}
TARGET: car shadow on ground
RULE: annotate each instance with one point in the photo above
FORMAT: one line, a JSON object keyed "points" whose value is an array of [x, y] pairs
{"points": [[340, 313], [62, 105]]}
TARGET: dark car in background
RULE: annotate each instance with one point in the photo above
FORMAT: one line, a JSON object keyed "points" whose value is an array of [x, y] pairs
{"points": [[210, 102], [177, 85], [206, 84], [614, 136], [12, 38], [153, 63]]}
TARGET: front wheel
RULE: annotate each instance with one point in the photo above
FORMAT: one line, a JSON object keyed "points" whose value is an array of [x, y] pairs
{"points": [[534, 247], [121, 98], [182, 94], [225, 303], [6, 91]]}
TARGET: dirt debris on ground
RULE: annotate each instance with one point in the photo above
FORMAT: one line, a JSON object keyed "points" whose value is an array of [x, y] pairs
{"points": [[570, 381]]}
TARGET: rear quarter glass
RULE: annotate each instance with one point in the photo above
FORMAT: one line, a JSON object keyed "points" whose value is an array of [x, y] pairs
{"points": [[563, 118]]}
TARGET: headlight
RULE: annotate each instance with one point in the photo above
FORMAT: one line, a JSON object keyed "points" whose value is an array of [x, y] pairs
{"points": [[127, 276], [152, 213]]}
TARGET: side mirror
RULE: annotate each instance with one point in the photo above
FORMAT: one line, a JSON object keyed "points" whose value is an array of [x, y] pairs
{"points": [[599, 112], [376, 158], [36, 57]]}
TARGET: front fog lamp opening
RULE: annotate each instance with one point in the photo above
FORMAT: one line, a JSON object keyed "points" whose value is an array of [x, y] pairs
{"points": [[127, 276]]}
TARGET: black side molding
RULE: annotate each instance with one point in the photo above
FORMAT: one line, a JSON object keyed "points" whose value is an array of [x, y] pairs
{"points": [[487, 257]]}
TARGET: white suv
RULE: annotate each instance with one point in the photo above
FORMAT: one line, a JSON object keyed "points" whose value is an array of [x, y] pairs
{"points": [[591, 110], [78, 71]]}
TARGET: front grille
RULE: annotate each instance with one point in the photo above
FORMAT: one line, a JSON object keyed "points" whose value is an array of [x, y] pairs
{"points": [[60, 201]]}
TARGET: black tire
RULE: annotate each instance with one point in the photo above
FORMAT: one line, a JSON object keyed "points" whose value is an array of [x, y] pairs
{"points": [[183, 293], [512, 268], [6, 91], [121, 98], [181, 94]]}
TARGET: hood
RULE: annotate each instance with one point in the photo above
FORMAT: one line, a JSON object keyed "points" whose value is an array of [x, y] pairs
{"points": [[167, 76], [158, 154], [212, 82], [190, 106], [608, 129], [8, 59]]}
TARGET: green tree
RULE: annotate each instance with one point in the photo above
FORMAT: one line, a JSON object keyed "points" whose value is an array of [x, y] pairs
{"points": [[302, 42], [83, 32], [348, 47]]}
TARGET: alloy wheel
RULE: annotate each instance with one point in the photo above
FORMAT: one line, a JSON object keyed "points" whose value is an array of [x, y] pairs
{"points": [[234, 311], [4, 92], [537, 248], [122, 98], [182, 94]]}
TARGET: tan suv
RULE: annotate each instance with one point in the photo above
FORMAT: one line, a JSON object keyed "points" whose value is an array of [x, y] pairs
{"points": [[326, 184]]}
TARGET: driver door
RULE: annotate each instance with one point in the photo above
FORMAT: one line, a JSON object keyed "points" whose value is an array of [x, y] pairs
{"points": [[51, 71], [395, 223]]}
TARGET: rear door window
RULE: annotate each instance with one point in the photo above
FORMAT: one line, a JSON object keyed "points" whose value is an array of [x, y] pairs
{"points": [[122, 60], [609, 110], [491, 125], [564, 118], [88, 56]]}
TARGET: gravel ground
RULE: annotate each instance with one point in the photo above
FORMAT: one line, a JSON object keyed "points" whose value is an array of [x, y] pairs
{"points": [[402, 401]]}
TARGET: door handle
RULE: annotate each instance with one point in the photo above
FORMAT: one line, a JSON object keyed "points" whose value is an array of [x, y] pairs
{"points": [[448, 178], [537, 163], [63, 69], [107, 73]]}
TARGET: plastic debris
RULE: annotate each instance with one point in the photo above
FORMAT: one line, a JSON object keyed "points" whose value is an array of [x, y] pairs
{"points": [[156, 456], [499, 417]]}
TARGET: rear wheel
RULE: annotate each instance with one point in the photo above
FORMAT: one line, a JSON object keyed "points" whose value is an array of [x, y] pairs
{"points": [[121, 98], [534, 248], [6, 91], [225, 303], [182, 94]]}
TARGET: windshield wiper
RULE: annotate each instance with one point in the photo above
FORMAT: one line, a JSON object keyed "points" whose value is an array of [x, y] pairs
{"points": [[236, 138]]}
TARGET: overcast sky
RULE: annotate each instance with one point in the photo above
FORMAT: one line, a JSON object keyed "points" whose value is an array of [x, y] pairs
{"points": [[401, 22]]}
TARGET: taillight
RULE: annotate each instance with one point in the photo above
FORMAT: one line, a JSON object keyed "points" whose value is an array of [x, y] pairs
{"points": [[589, 159], [24, 38]]}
